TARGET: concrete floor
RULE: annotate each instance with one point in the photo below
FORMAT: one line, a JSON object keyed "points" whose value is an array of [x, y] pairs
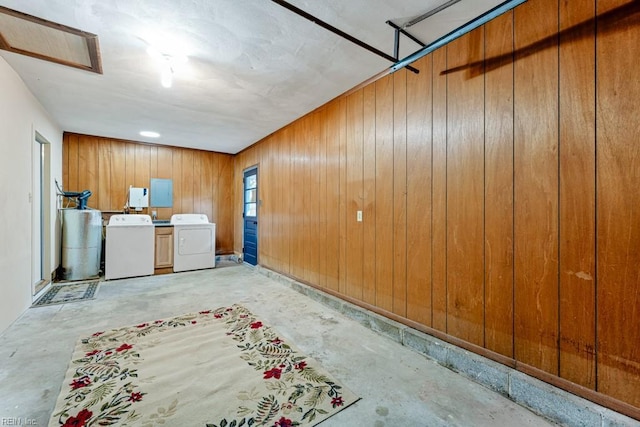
{"points": [[398, 387]]}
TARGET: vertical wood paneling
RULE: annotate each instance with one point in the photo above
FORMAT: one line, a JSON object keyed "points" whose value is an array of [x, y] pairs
{"points": [[88, 171], [536, 186], [342, 133], [439, 194], [314, 205], [577, 194], [369, 196], [187, 181], [118, 174], [307, 212], [322, 198], [297, 178], [224, 230], [153, 171], [197, 184], [104, 179], [465, 192], [238, 223], [400, 193], [384, 193], [141, 166], [207, 185], [65, 161], [276, 201], [419, 125], [333, 195], [618, 201], [165, 171], [498, 273], [178, 181], [130, 171], [354, 230], [153, 161], [74, 169], [265, 202], [285, 226], [216, 188]]}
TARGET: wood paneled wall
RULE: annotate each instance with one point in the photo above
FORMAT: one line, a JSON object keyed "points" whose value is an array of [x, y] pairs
{"points": [[499, 191], [202, 180]]}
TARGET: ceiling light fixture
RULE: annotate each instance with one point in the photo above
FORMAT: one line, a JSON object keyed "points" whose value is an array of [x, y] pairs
{"points": [[150, 134], [168, 64]]}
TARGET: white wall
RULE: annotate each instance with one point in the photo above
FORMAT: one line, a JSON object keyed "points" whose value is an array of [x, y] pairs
{"points": [[21, 115]]}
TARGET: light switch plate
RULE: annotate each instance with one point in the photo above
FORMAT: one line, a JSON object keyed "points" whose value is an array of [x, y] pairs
{"points": [[359, 216]]}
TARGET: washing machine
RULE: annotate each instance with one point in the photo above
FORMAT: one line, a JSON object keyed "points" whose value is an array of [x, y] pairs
{"points": [[129, 247], [194, 246]]}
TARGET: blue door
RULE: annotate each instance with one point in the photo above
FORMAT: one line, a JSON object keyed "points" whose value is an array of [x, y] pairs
{"points": [[250, 216]]}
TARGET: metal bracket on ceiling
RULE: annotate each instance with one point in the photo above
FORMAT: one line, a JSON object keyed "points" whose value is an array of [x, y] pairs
{"points": [[341, 33], [401, 29], [460, 31], [396, 41]]}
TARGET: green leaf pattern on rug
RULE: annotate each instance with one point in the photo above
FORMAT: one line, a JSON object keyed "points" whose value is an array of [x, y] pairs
{"points": [[99, 372], [304, 392]]}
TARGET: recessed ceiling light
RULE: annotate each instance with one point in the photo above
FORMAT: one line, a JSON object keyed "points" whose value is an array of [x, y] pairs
{"points": [[150, 134]]}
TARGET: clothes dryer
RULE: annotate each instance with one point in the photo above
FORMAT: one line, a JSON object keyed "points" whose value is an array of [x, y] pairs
{"points": [[194, 246]]}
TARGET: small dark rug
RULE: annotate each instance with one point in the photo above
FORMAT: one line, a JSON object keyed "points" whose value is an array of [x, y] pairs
{"points": [[68, 292]]}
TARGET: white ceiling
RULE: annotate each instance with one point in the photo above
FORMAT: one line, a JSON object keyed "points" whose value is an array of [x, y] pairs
{"points": [[253, 66]]}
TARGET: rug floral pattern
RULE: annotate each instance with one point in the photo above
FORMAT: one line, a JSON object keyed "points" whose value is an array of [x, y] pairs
{"points": [[107, 383]]}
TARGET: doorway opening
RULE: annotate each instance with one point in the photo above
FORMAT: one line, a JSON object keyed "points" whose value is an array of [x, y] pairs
{"points": [[41, 215]]}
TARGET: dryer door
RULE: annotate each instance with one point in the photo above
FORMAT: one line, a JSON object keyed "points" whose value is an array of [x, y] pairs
{"points": [[194, 247], [194, 241]]}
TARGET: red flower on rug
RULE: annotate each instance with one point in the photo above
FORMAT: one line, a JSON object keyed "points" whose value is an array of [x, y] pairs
{"points": [[273, 373], [205, 312], [97, 334], [79, 420], [142, 325], [300, 366], [283, 422], [135, 397], [92, 353], [124, 347], [256, 325], [337, 401], [80, 382]]}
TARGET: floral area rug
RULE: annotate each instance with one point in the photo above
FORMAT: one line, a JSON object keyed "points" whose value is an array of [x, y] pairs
{"points": [[215, 368], [61, 294]]}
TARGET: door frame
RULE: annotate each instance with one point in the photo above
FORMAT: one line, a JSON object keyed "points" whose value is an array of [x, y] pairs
{"points": [[244, 172], [41, 255]]}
